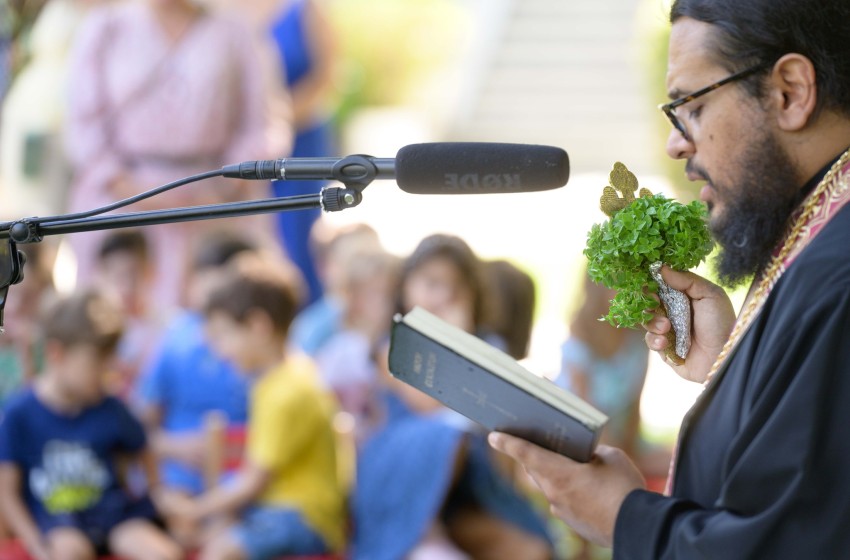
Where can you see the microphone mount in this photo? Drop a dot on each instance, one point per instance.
(355, 172)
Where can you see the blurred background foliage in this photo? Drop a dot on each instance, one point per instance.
(654, 30)
(393, 49)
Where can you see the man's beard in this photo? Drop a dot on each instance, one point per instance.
(756, 211)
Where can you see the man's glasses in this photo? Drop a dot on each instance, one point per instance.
(670, 108)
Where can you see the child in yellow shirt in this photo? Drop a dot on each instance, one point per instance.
(287, 492)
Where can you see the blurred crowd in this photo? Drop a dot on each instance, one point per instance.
(222, 386)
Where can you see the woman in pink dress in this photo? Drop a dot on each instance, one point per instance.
(159, 90)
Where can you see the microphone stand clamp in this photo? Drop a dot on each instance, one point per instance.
(356, 172)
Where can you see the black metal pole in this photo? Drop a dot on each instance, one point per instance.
(173, 215)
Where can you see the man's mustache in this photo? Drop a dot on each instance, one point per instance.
(700, 174)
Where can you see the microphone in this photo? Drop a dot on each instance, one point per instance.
(480, 168)
(432, 168)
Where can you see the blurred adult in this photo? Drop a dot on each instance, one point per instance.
(306, 42)
(761, 112)
(303, 41)
(159, 90)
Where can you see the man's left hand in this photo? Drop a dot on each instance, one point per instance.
(586, 496)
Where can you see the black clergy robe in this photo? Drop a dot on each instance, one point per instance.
(764, 459)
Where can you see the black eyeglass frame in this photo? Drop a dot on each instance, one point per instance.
(669, 108)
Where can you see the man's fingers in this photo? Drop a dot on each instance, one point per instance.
(515, 447)
(656, 342)
(696, 287)
(526, 453)
(659, 324)
(678, 280)
(536, 460)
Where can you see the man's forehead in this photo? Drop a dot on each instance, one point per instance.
(690, 64)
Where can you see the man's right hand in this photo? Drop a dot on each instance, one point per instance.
(713, 319)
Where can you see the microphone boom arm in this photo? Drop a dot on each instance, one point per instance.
(355, 172)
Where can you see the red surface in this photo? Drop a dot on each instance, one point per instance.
(13, 550)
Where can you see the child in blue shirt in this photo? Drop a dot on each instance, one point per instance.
(185, 380)
(60, 443)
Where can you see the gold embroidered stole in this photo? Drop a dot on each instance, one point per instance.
(816, 210)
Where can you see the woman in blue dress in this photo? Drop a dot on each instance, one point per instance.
(305, 41)
(427, 483)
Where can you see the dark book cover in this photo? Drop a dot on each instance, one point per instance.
(463, 384)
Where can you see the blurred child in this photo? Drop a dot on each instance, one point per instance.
(287, 489)
(185, 380)
(21, 355)
(512, 294)
(60, 443)
(427, 484)
(319, 321)
(606, 366)
(125, 272)
(346, 361)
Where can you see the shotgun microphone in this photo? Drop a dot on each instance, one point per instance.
(432, 168)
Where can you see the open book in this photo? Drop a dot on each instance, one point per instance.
(486, 385)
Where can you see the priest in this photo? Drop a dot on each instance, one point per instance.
(760, 108)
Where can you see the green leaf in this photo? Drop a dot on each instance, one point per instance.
(650, 229)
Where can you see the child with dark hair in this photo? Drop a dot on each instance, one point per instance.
(513, 296)
(168, 397)
(287, 491)
(21, 354)
(60, 444)
(124, 273)
(427, 484)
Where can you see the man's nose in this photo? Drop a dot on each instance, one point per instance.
(679, 147)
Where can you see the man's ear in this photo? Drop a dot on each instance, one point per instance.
(794, 91)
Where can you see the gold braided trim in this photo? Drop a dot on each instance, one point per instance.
(828, 197)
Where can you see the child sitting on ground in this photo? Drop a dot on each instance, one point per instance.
(287, 491)
(61, 442)
(125, 273)
(185, 380)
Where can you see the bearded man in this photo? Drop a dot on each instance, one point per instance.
(761, 113)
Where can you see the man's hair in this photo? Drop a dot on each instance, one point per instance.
(256, 283)
(124, 241)
(217, 248)
(84, 318)
(762, 31)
